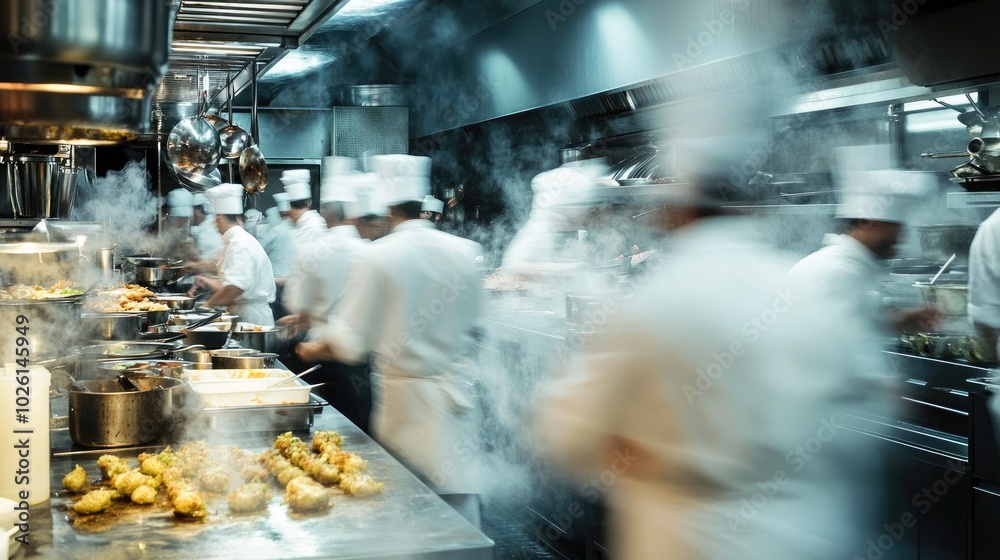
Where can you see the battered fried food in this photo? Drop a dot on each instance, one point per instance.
(153, 466)
(126, 483)
(143, 495)
(254, 473)
(306, 495)
(95, 501)
(250, 497)
(76, 480)
(361, 485)
(214, 479)
(286, 476)
(327, 442)
(186, 501)
(171, 475)
(111, 465)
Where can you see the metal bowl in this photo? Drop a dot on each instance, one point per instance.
(253, 170)
(210, 337)
(177, 302)
(948, 298)
(193, 145)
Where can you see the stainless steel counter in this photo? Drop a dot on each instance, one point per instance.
(407, 521)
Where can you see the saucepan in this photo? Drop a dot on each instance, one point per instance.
(102, 413)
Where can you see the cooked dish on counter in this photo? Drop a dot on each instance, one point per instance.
(61, 289)
(130, 298)
(196, 479)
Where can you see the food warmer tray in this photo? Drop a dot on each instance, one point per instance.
(263, 418)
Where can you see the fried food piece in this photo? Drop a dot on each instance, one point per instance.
(143, 495)
(254, 473)
(193, 458)
(274, 462)
(306, 495)
(327, 442)
(286, 476)
(153, 465)
(171, 475)
(126, 483)
(361, 484)
(76, 480)
(214, 479)
(350, 463)
(186, 501)
(95, 501)
(111, 465)
(249, 497)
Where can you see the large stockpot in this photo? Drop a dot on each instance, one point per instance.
(41, 186)
(102, 414)
(110, 326)
(157, 276)
(271, 339)
(48, 323)
(939, 242)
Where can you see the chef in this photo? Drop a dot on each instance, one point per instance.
(321, 277)
(245, 283)
(558, 207)
(984, 282)
(686, 416)
(372, 223)
(277, 243)
(417, 320)
(306, 221)
(206, 235)
(431, 209)
(177, 241)
(874, 206)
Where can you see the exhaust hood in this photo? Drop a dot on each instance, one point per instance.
(80, 71)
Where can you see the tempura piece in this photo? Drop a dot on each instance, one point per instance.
(153, 465)
(286, 476)
(76, 480)
(350, 463)
(171, 475)
(143, 495)
(254, 473)
(126, 483)
(306, 495)
(327, 442)
(186, 501)
(111, 465)
(95, 501)
(360, 485)
(250, 497)
(214, 479)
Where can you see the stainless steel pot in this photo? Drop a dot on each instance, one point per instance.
(102, 414)
(110, 326)
(246, 361)
(41, 186)
(210, 337)
(158, 276)
(183, 303)
(199, 359)
(161, 368)
(939, 242)
(48, 323)
(948, 298)
(273, 340)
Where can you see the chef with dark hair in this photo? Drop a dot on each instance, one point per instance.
(245, 283)
(412, 303)
(432, 209)
(206, 235)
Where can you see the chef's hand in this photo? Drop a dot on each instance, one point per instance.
(924, 319)
(313, 352)
(296, 323)
(204, 283)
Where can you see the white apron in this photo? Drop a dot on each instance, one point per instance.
(430, 423)
(256, 312)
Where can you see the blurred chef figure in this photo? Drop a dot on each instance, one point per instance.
(206, 235)
(874, 206)
(176, 239)
(558, 207)
(306, 221)
(984, 283)
(245, 283)
(372, 223)
(432, 209)
(412, 302)
(321, 276)
(252, 219)
(277, 243)
(692, 409)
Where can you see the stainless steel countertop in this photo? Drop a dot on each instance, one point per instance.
(407, 521)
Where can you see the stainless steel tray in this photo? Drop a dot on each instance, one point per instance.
(264, 418)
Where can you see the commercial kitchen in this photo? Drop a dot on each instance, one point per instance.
(564, 138)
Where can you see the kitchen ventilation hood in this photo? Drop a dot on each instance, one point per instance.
(80, 71)
(945, 46)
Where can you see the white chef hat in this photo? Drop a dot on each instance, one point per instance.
(227, 198)
(200, 200)
(404, 178)
(432, 204)
(337, 165)
(290, 176)
(335, 184)
(883, 195)
(298, 191)
(370, 200)
(180, 202)
(281, 199)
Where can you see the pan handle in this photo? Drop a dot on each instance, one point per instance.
(189, 347)
(936, 155)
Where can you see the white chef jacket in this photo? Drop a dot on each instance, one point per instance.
(246, 266)
(984, 273)
(277, 243)
(207, 239)
(845, 272)
(321, 275)
(686, 407)
(306, 229)
(412, 301)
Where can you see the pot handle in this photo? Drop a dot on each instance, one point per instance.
(189, 347)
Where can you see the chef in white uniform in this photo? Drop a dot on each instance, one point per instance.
(206, 235)
(685, 414)
(413, 303)
(432, 209)
(984, 282)
(372, 223)
(321, 276)
(306, 221)
(277, 240)
(245, 283)
(873, 209)
(176, 240)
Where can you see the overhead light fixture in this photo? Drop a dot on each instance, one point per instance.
(298, 62)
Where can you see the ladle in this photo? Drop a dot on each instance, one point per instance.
(296, 376)
(951, 259)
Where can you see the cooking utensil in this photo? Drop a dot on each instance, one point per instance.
(253, 170)
(210, 337)
(943, 268)
(161, 368)
(234, 140)
(245, 361)
(938, 155)
(110, 326)
(988, 151)
(296, 376)
(178, 302)
(198, 358)
(969, 169)
(947, 297)
(158, 276)
(270, 339)
(939, 242)
(101, 414)
(202, 322)
(41, 186)
(215, 120)
(193, 181)
(193, 145)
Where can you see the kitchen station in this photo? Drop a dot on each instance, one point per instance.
(446, 279)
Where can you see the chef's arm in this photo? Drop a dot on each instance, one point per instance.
(224, 297)
(989, 336)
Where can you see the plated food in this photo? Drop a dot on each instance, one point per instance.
(59, 290)
(132, 297)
